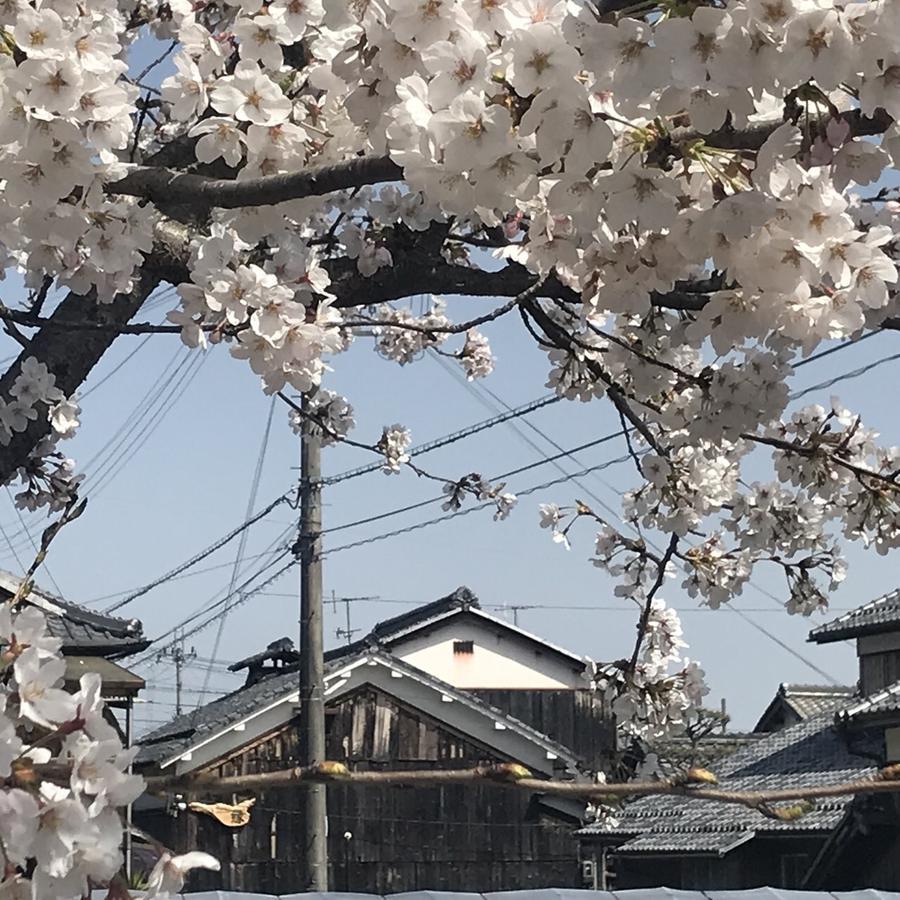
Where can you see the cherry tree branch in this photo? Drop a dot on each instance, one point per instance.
(69, 360)
(661, 567)
(171, 186)
(861, 472)
(512, 775)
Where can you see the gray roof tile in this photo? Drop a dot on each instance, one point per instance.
(874, 617)
(811, 752)
(717, 842)
(809, 700)
(875, 706)
(83, 632)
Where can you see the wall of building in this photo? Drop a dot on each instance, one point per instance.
(779, 861)
(577, 719)
(381, 839)
(498, 659)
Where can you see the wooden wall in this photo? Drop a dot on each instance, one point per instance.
(452, 837)
(579, 720)
(773, 860)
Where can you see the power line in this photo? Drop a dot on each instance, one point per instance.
(282, 551)
(115, 371)
(489, 504)
(242, 543)
(178, 360)
(203, 554)
(151, 424)
(452, 438)
(470, 387)
(512, 472)
(34, 546)
(846, 376)
(194, 573)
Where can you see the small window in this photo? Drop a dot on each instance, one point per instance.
(463, 646)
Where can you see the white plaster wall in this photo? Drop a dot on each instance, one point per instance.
(500, 660)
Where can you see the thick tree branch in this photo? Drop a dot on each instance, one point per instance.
(514, 776)
(69, 360)
(169, 186)
(172, 187)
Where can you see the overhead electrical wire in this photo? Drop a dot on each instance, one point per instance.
(115, 371)
(239, 595)
(471, 509)
(452, 438)
(511, 473)
(281, 546)
(186, 574)
(198, 557)
(242, 544)
(472, 389)
(99, 480)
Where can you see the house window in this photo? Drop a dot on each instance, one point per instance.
(794, 867)
(463, 646)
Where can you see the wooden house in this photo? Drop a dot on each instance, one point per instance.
(383, 710)
(808, 734)
(91, 642)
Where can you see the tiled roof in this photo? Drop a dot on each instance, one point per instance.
(805, 701)
(718, 842)
(809, 700)
(189, 729)
(882, 614)
(387, 632)
(83, 631)
(884, 703)
(811, 752)
(185, 730)
(676, 754)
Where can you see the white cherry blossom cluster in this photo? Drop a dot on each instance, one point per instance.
(476, 355)
(272, 312)
(661, 691)
(67, 110)
(332, 417)
(403, 337)
(64, 769)
(393, 444)
(48, 476)
(476, 486)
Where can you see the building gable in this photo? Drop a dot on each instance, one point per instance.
(471, 649)
(461, 713)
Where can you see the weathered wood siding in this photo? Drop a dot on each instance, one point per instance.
(579, 720)
(381, 840)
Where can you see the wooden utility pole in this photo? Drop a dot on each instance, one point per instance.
(312, 663)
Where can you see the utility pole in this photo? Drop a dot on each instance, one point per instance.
(180, 659)
(312, 663)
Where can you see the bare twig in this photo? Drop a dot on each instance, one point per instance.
(152, 65)
(74, 508)
(661, 567)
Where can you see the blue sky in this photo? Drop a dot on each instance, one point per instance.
(170, 440)
(187, 482)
